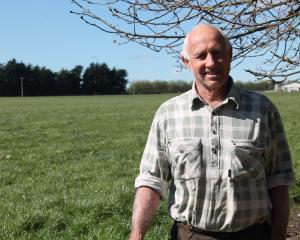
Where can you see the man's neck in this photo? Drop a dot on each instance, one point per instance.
(213, 97)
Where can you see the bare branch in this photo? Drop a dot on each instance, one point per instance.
(269, 29)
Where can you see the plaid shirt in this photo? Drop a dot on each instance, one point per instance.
(217, 164)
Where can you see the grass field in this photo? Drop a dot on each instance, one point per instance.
(68, 164)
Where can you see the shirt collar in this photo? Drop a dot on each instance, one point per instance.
(233, 95)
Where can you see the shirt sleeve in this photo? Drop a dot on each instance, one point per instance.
(154, 168)
(279, 162)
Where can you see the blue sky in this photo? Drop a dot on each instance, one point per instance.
(44, 33)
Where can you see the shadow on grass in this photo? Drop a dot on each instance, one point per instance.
(33, 223)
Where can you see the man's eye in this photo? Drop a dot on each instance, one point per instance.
(217, 54)
(201, 56)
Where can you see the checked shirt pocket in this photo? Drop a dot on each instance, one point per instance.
(185, 156)
(247, 160)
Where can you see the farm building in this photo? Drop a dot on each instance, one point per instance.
(289, 87)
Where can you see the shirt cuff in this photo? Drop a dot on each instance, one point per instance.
(157, 184)
(281, 180)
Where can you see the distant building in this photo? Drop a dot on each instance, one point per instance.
(291, 87)
(288, 87)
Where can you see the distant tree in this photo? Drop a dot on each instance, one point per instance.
(157, 87)
(256, 86)
(76, 73)
(2, 80)
(34, 81)
(265, 28)
(68, 82)
(40, 81)
(64, 82)
(119, 81)
(141, 87)
(103, 79)
(12, 74)
(160, 86)
(48, 82)
(91, 79)
(99, 79)
(30, 82)
(37, 85)
(179, 86)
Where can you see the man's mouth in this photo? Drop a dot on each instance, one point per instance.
(213, 73)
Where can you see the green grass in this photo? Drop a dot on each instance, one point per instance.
(288, 105)
(68, 164)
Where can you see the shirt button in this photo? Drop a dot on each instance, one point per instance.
(214, 131)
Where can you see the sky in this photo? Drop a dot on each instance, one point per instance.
(45, 33)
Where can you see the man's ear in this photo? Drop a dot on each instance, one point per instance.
(230, 53)
(185, 61)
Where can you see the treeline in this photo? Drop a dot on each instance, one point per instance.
(17, 78)
(157, 87)
(256, 86)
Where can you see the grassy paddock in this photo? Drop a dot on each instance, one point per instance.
(288, 105)
(68, 164)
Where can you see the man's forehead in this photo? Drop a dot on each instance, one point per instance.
(202, 36)
(203, 39)
(202, 45)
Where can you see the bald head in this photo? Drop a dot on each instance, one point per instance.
(207, 53)
(201, 31)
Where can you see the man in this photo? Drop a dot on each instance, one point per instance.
(218, 152)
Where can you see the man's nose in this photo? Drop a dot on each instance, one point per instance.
(210, 60)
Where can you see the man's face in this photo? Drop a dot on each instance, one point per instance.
(209, 58)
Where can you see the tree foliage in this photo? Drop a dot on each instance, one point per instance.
(98, 78)
(269, 29)
(40, 81)
(157, 87)
(256, 86)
